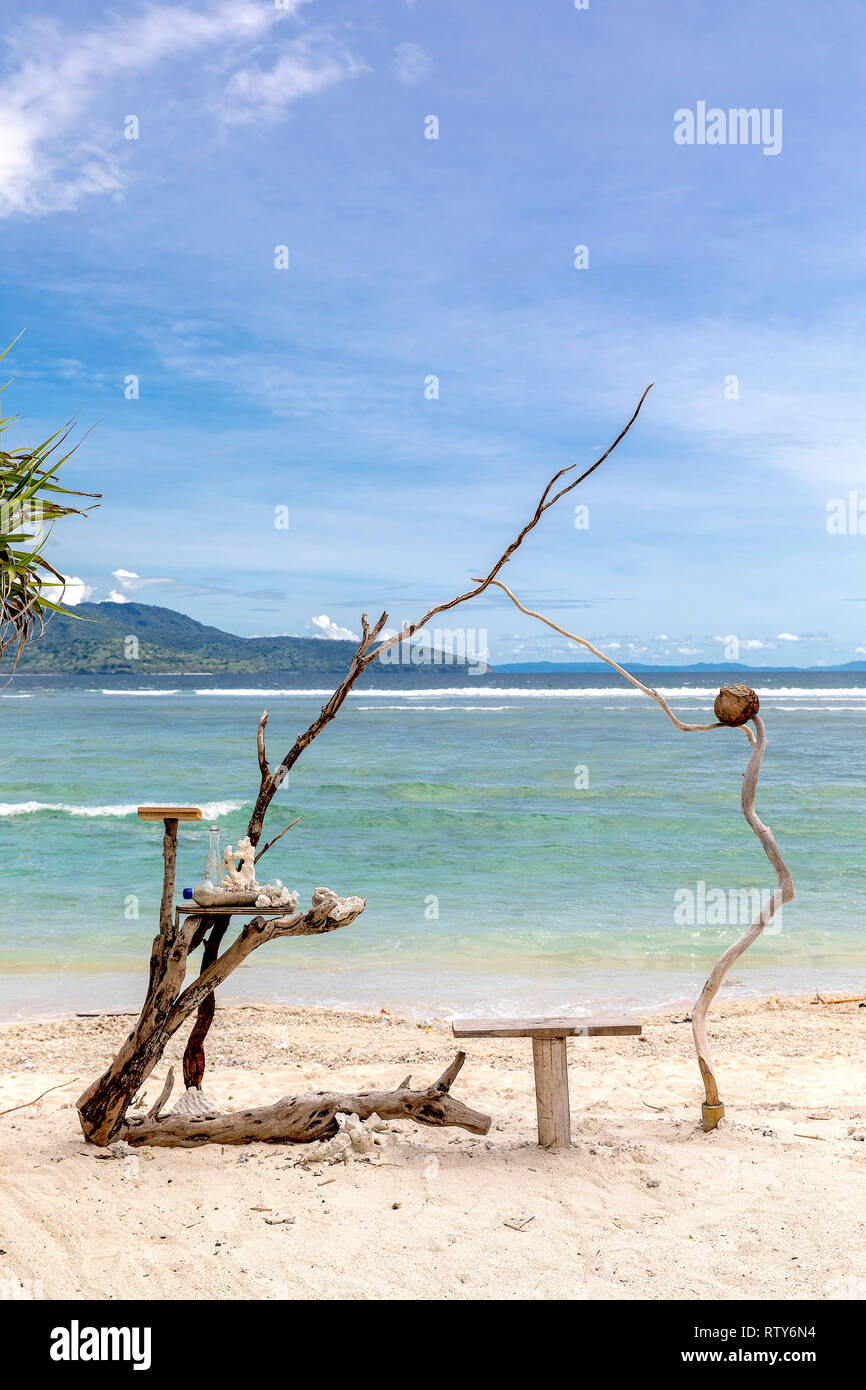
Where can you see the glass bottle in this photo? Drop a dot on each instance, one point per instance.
(213, 867)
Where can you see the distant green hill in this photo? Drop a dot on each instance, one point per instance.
(143, 637)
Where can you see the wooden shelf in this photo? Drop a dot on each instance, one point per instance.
(187, 908)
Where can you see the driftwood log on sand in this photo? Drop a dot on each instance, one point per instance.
(302, 1119)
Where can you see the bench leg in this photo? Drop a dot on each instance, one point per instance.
(551, 1092)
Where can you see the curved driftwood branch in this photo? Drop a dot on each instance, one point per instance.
(712, 1108)
(368, 651)
(301, 1119)
(633, 680)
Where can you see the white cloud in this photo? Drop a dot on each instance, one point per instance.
(129, 582)
(56, 146)
(788, 637)
(689, 651)
(304, 67)
(752, 644)
(333, 631)
(411, 63)
(115, 597)
(73, 592)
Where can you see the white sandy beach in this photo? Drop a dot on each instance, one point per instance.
(645, 1205)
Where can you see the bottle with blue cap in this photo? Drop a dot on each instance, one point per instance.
(213, 872)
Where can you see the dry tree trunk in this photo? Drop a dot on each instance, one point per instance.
(103, 1106)
(742, 705)
(301, 1119)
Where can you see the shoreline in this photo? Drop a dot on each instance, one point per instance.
(722, 1006)
(733, 992)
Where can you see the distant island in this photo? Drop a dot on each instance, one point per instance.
(138, 637)
(117, 638)
(566, 668)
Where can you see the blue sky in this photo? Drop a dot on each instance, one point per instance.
(304, 388)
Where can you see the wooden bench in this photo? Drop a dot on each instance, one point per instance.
(549, 1059)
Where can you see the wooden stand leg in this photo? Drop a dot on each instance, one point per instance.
(551, 1092)
(169, 857)
(193, 1057)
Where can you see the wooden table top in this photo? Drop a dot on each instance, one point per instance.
(544, 1027)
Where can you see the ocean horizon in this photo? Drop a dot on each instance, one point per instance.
(526, 843)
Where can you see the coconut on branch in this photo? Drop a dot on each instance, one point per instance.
(735, 704)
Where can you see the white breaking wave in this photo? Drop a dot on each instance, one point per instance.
(572, 693)
(210, 811)
(421, 709)
(824, 709)
(142, 692)
(257, 694)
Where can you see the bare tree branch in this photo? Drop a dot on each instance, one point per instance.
(266, 847)
(543, 506)
(260, 745)
(366, 650)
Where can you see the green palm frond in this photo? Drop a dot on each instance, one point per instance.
(30, 504)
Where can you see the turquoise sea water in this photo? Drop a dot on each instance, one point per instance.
(493, 883)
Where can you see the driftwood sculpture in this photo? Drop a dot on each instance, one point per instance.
(169, 1002)
(735, 707)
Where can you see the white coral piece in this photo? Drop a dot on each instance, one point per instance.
(355, 1139)
(192, 1102)
(360, 1137)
